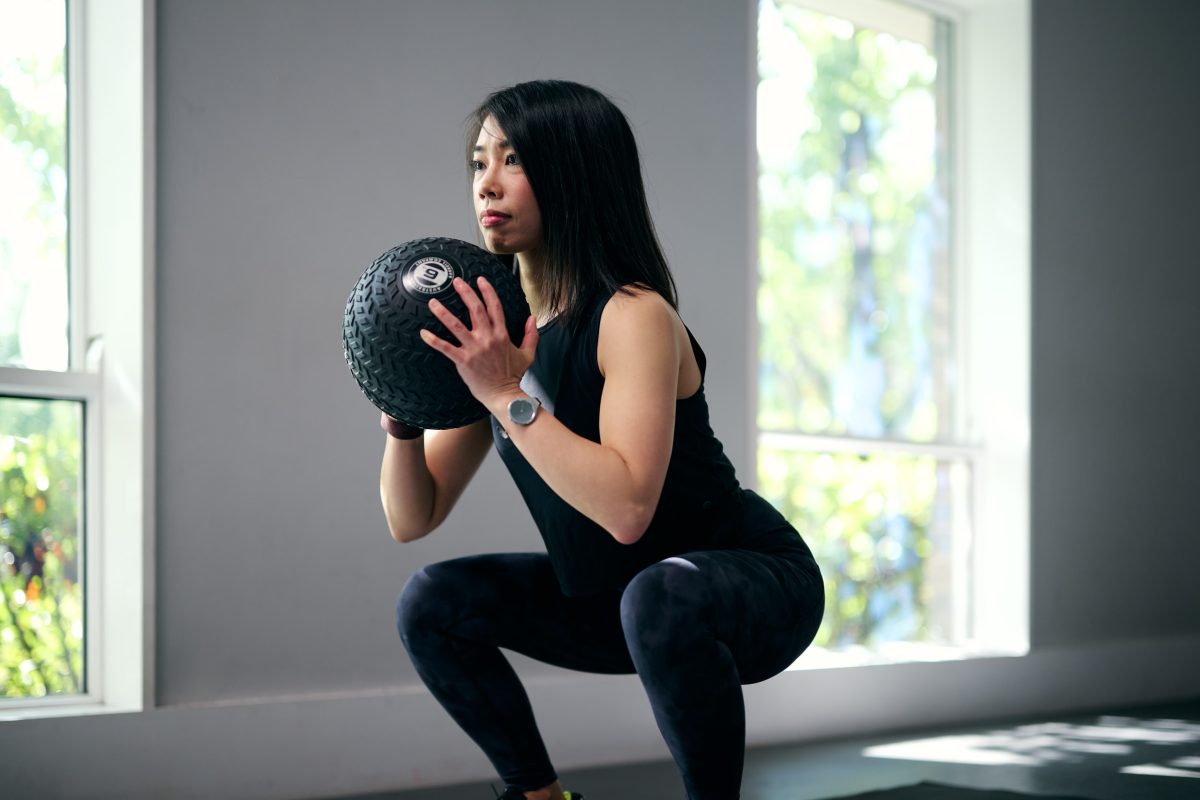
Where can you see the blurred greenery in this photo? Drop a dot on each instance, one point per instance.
(854, 290)
(854, 312)
(875, 516)
(41, 598)
(33, 171)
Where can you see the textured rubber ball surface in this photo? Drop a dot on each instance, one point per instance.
(387, 308)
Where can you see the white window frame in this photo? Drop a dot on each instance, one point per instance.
(990, 258)
(111, 246)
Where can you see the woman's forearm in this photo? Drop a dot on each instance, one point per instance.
(421, 479)
(406, 489)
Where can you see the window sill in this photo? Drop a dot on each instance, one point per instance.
(894, 653)
(57, 708)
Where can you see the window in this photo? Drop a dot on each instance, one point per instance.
(74, 322)
(41, 625)
(41, 607)
(880, 432)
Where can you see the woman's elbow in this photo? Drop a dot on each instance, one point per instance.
(402, 536)
(632, 526)
(406, 521)
(630, 536)
(403, 529)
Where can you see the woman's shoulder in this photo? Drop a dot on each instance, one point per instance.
(638, 299)
(634, 305)
(636, 319)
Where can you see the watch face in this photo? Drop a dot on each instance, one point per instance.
(521, 410)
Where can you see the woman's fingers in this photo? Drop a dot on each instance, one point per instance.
(530, 340)
(452, 323)
(495, 308)
(441, 345)
(479, 313)
(483, 316)
(485, 357)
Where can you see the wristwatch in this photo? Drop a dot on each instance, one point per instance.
(522, 410)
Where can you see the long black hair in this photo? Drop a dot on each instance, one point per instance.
(580, 157)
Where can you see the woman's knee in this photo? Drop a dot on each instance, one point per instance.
(415, 603)
(431, 594)
(660, 597)
(465, 594)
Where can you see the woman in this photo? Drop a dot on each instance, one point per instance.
(657, 561)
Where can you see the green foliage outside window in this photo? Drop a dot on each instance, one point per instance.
(854, 312)
(33, 176)
(871, 522)
(41, 608)
(41, 598)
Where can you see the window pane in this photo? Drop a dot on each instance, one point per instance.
(33, 174)
(890, 534)
(41, 596)
(854, 298)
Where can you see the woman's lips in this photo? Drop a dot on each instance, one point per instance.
(490, 218)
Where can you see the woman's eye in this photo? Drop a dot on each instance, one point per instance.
(475, 166)
(512, 159)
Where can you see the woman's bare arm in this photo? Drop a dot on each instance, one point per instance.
(618, 481)
(421, 479)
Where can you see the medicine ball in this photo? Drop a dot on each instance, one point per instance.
(398, 372)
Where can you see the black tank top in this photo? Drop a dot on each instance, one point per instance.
(700, 481)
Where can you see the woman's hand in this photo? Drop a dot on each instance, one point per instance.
(486, 359)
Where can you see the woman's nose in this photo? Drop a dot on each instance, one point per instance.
(488, 185)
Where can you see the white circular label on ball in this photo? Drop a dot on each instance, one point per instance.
(430, 275)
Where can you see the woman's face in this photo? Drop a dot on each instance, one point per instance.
(504, 203)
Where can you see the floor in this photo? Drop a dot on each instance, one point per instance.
(1125, 754)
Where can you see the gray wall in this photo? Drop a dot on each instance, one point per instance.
(297, 140)
(1116, 321)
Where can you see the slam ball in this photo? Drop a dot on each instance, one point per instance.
(389, 305)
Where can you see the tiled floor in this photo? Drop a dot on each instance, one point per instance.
(1127, 754)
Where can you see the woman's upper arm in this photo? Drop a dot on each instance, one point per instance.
(453, 457)
(639, 356)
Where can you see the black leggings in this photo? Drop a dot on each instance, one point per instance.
(694, 627)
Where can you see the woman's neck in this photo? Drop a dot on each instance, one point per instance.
(529, 268)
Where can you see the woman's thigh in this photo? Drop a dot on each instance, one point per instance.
(513, 600)
(764, 607)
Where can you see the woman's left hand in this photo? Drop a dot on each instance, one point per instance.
(486, 359)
